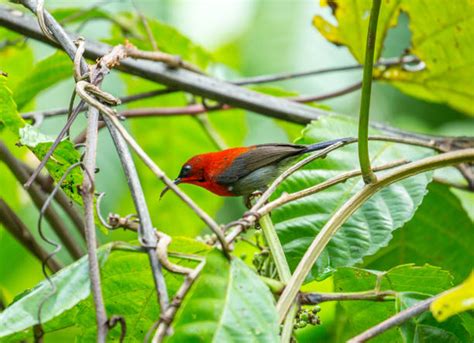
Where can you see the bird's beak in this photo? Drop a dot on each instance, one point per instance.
(176, 182)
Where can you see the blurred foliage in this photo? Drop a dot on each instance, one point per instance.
(272, 37)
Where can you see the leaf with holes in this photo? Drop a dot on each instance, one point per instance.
(227, 303)
(64, 156)
(369, 228)
(442, 37)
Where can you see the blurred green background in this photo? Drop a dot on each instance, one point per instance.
(245, 38)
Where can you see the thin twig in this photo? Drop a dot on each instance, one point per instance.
(363, 145)
(123, 100)
(214, 136)
(350, 206)
(395, 320)
(329, 95)
(162, 251)
(318, 298)
(388, 62)
(13, 224)
(146, 26)
(168, 316)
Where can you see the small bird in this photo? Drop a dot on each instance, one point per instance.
(244, 170)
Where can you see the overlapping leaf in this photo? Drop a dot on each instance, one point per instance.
(411, 284)
(128, 289)
(369, 228)
(442, 37)
(440, 222)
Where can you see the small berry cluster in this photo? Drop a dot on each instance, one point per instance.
(307, 316)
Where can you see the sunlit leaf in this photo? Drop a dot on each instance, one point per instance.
(370, 227)
(442, 37)
(223, 295)
(456, 300)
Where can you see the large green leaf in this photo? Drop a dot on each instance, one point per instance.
(442, 37)
(128, 290)
(440, 222)
(353, 21)
(369, 228)
(46, 73)
(227, 303)
(72, 285)
(411, 283)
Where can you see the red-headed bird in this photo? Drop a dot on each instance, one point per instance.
(244, 170)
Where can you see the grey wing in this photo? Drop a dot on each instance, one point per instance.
(263, 155)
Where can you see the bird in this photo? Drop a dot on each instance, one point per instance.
(242, 171)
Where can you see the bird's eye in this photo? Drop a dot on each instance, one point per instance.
(185, 170)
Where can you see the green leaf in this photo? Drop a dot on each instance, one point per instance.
(227, 303)
(9, 117)
(46, 73)
(412, 284)
(370, 227)
(72, 283)
(440, 222)
(64, 156)
(442, 37)
(128, 290)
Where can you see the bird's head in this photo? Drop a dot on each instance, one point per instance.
(191, 172)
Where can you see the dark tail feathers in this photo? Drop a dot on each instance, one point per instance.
(324, 145)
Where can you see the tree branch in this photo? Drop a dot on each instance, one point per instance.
(177, 78)
(318, 298)
(20, 232)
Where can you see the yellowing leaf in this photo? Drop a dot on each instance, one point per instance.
(454, 301)
(353, 19)
(442, 37)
